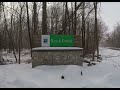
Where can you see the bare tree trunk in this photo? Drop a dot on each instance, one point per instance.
(0, 35)
(52, 23)
(72, 17)
(35, 17)
(56, 24)
(67, 11)
(87, 40)
(0, 42)
(65, 20)
(44, 19)
(29, 28)
(95, 46)
(20, 32)
(83, 28)
(97, 40)
(12, 40)
(19, 39)
(75, 19)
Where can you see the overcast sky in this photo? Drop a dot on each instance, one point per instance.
(110, 13)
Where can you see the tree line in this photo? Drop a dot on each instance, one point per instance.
(112, 38)
(20, 21)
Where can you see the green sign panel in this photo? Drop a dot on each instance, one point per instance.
(61, 40)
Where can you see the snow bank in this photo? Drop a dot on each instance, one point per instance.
(103, 75)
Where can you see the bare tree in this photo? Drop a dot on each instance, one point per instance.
(35, 17)
(75, 18)
(0, 34)
(20, 24)
(20, 30)
(72, 16)
(29, 34)
(95, 45)
(96, 27)
(44, 19)
(87, 38)
(83, 28)
(10, 34)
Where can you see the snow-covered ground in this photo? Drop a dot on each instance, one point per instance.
(10, 59)
(105, 74)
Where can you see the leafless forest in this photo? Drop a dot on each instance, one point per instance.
(20, 21)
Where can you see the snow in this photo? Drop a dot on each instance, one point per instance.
(104, 74)
(10, 59)
(57, 48)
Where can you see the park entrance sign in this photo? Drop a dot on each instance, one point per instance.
(45, 40)
(61, 40)
(57, 40)
(58, 50)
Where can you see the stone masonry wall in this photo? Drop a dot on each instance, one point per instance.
(55, 57)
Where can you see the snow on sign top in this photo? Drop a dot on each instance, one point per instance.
(57, 48)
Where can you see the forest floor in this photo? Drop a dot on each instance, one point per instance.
(105, 74)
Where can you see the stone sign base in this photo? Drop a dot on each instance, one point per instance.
(56, 56)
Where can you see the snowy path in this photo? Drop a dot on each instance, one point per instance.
(104, 74)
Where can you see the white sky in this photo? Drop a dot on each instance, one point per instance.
(110, 13)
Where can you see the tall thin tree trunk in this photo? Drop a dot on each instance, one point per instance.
(35, 17)
(29, 28)
(12, 40)
(75, 23)
(97, 40)
(87, 40)
(67, 11)
(83, 28)
(19, 40)
(44, 19)
(72, 18)
(20, 32)
(52, 31)
(56, 20)
(0, 36)
(65, 20)
(95, 32)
